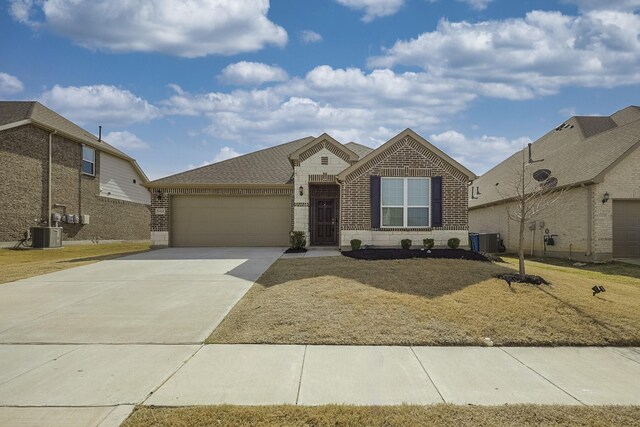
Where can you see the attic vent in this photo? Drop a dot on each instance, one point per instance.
(564, 126)
(324, 160)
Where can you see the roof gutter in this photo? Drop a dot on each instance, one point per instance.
(153, 185)
(511, 199)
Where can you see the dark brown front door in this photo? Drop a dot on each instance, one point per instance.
(324, 226)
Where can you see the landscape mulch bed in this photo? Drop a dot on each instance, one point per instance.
(378, 254)
(295, 251)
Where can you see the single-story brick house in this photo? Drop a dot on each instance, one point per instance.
(334, 192)
(597, 161)
(49, 165)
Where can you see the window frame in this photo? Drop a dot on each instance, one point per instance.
(405, 207)
(93, 163)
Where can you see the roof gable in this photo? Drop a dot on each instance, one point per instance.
(407, 133)
(323, 141)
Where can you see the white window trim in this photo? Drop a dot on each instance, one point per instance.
(405, 207)
(88, 161)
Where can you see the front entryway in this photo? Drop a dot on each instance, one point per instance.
(324, 215)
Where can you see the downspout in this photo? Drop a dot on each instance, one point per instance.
(49, 177)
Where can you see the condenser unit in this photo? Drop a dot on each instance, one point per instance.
(46, 237)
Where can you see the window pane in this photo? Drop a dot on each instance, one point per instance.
(392, 192)
(87, 167)
(418, 192)
(392, 217)
(88, 153)
(418, 217)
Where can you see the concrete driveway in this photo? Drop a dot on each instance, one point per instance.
(170, 296)
(82, 346)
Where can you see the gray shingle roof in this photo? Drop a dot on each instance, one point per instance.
(359, 149)
(16, 111)
(264, 167)
(268, 166)
(579, 153)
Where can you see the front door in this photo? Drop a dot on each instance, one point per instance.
(324, 226)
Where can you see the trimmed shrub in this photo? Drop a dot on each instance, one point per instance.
(453, 243)
(428, 243)
(297, 239)
(356, 244)
(405, 243)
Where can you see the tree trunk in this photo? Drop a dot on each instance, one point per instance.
(521, 249)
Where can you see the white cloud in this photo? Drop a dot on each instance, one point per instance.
(252, 73)
(191, 28)
(343, 102)
(525, 58)
(477, 4)
(125, 140)
(308, 37)
(10, 85)
(478, 154)
(624, 5)
(373, 8)
(99, 104)
(225, 153)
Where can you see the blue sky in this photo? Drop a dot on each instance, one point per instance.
(182, 83)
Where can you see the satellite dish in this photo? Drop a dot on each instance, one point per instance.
(550, 183)
(541, 175)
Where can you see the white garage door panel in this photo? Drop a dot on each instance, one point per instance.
(230, 221)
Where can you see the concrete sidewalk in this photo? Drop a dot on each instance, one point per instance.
(98, 385)
(363, 375)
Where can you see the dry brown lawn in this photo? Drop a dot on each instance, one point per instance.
(340, 300)
(438, 415)
(23, 263)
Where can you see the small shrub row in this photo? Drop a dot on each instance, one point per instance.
(453, 243)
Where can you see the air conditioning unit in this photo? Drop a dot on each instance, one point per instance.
(46, 237)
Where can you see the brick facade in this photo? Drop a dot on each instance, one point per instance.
(23, 190)
(405, 158)
(582, 222)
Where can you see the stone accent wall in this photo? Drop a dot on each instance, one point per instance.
(309, 171)
(23, 193)
(405, 158)
(161, 205)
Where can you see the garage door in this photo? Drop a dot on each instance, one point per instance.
(230, 221)
(626, 228)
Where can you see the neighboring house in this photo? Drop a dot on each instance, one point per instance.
(334, 192)
(43, 153)
(598, 217)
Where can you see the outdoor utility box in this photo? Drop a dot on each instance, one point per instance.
(46, 237)
(485, 242)
(84, 219)
(490, 243)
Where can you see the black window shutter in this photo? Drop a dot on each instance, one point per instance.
(375, 201)
(436, 201)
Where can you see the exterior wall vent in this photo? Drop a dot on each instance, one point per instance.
(324, 160)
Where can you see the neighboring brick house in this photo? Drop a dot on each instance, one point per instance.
(598, 217)
(334, 192)
(89, 178)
